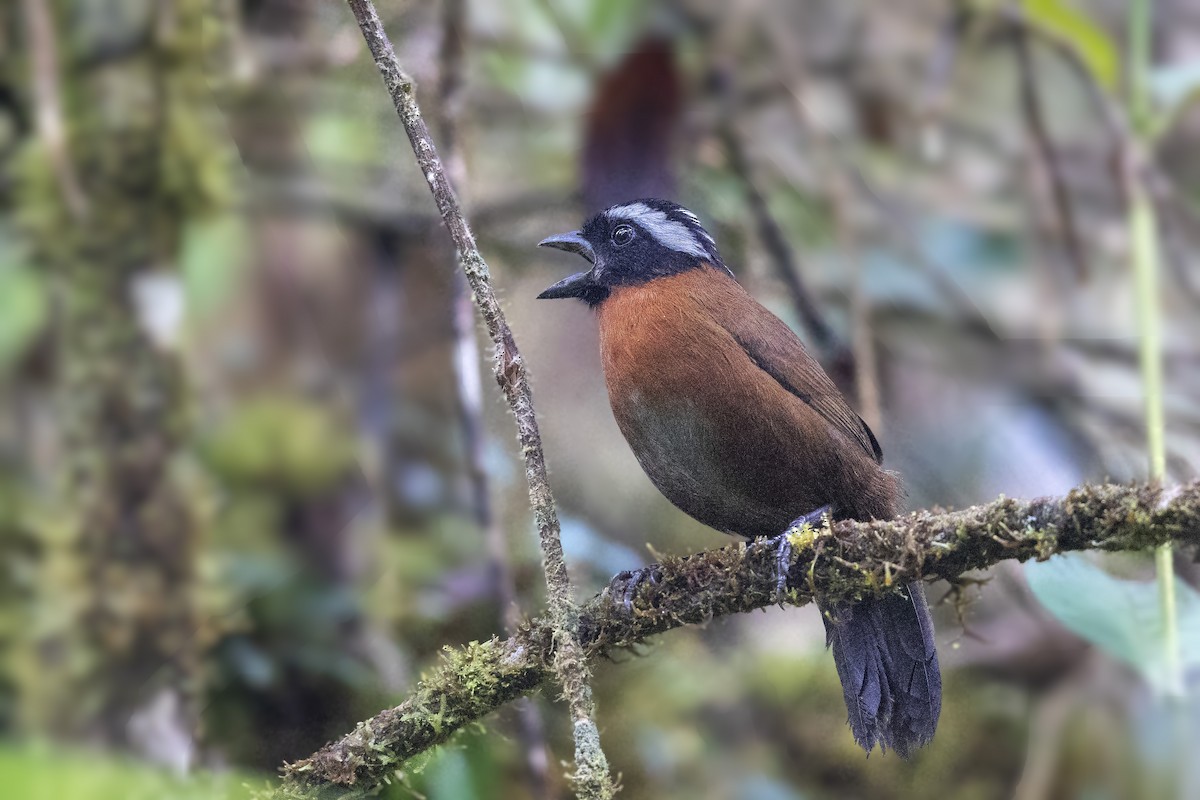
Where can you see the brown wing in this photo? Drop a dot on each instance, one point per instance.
(778, 351)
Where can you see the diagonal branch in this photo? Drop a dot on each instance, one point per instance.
(591, 778)
(773, 238)
(847, 562)
(469, 397)
(1031, 107)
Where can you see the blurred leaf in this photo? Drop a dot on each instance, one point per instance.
(256, 668)
(540, 85)
(448, 775)
(612, 23)
(1062, 19)
(22, 310)
(248, 572)
(1174, 89)
(504, 69)
(39, 772)
(323, 660)
(805, 217)
(1175, 85)
(1121, 617)
(342, 139)
(282, 444)
(212, 257)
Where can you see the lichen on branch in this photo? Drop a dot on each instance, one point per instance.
(591, 778)
(845, 562)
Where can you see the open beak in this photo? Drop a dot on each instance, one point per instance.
(572, 242)
(576, 285)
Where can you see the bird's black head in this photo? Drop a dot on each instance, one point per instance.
(633, 243)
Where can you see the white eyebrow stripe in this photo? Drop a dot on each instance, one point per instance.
(666, 231)
(703, 232)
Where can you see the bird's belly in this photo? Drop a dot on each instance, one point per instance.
(675, 445)
(692, 459)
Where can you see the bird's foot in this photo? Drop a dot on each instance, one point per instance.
(783, 562)
(784, 550)
(627, 582)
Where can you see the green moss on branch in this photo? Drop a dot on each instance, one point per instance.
(847, 562)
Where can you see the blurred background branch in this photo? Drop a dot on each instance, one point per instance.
(243, 464)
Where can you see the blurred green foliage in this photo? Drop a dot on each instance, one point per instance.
(212, 259)
(280, 444)
(322, 594)
(23, 306)
(1066, 19)
(41, 772)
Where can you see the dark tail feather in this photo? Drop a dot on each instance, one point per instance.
(883, 649)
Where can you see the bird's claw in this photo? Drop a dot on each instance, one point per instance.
(784, 550)
(783, 563)
(626, 585)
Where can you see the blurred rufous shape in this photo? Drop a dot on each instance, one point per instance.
(631, 128)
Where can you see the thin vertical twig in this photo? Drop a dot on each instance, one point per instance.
(1144, 245)
(1143, 232)
(1144, 251)
(591, 777)
(469, 394)
(1031, 107)
(1130, 133)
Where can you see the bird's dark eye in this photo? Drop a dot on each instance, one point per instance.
(623, 235)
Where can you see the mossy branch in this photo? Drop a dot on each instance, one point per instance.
(591, 778)
(845, 562)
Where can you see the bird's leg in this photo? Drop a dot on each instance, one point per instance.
(783, 551)
(628, 582)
